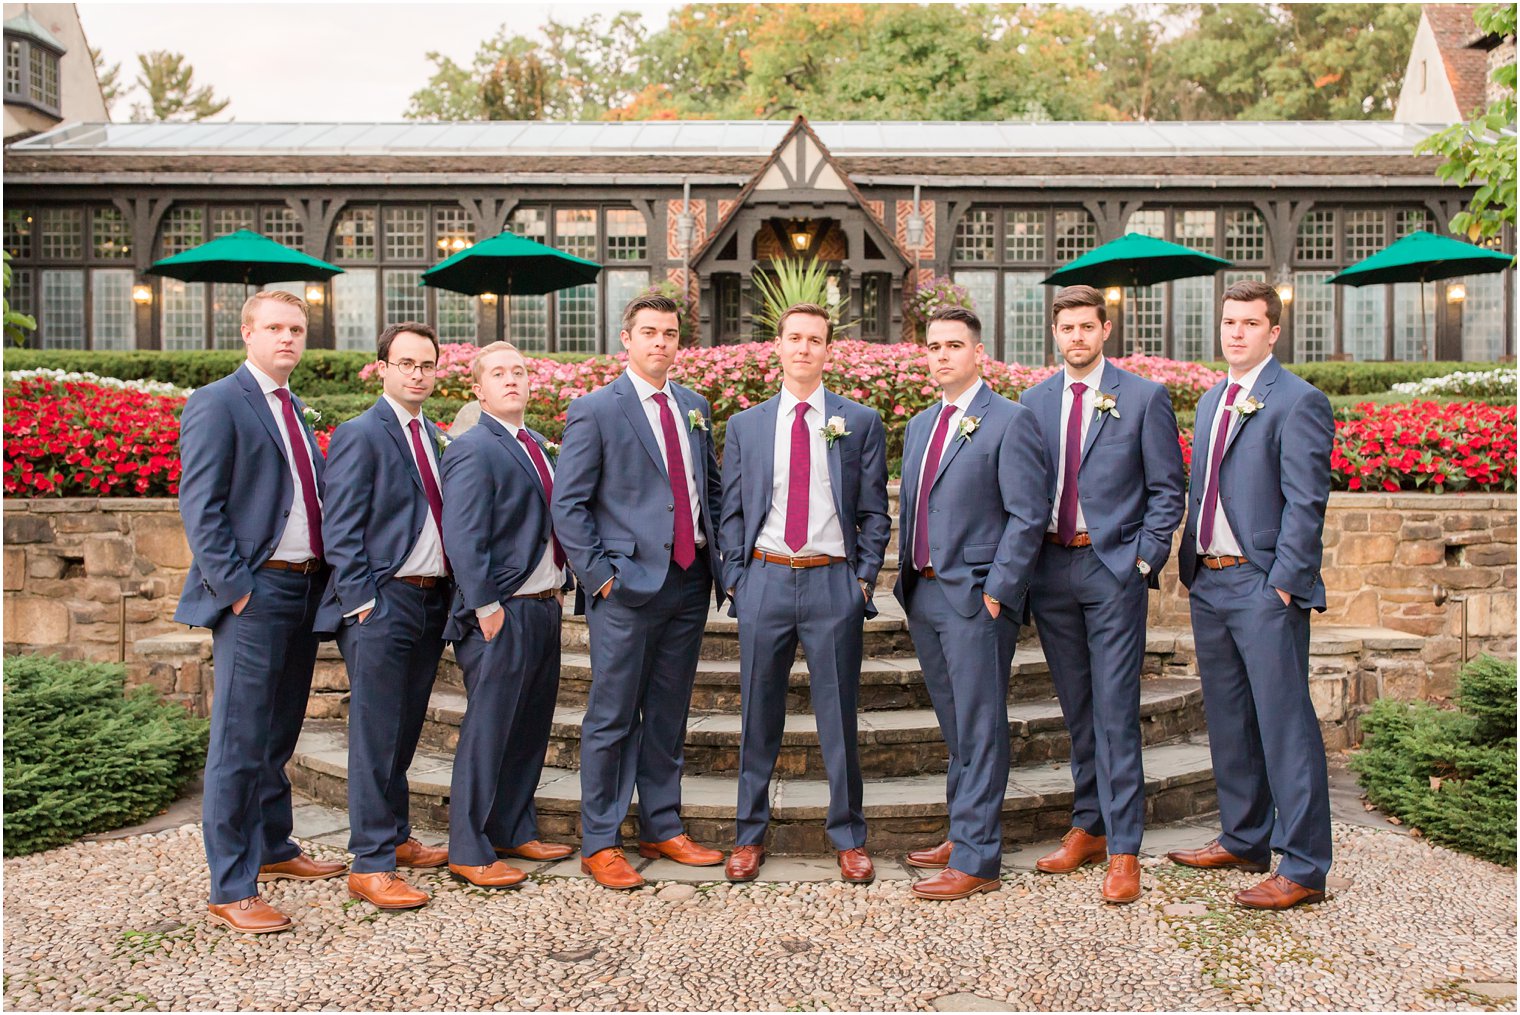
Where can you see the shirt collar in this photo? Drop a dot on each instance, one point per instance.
(1094, 380)
(965, 398)
(1249, 380)
(402, 415)
(647, 391)
(267, 384)
(510, 428)
(789, 401)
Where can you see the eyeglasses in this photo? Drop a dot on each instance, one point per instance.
(410, 367)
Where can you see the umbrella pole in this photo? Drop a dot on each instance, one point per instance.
(1430, 353)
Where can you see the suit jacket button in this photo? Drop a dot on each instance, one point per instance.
(670, 507)
(667, 546)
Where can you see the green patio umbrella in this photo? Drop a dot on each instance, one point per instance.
(246, 257)
(1423, 257)
(510, 265)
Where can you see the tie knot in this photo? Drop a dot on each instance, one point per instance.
(283, 394)
(801, 409)
(659, 396)
(1229, 396)
(522, 435)
(414, 425)
(1077, 388)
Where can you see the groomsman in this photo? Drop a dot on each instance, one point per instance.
(387, 600)
(505, 624)
(804, 528)
(1115, 499)
(636, 512)
(971, 516)
(251, 500)
(1250, 557)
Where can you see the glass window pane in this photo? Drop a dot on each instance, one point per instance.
(575, 232)
(49, 62)
(18, 233)
(182, 228)
(1366, 312)
(1144, 321)
(456, 317)
(1414, 332)
(354, 238)
(405, 300)
(182, 312)
(61, 323)
(280, 224)
(111, 309)
(528, 322)
(1024, 236)
(1076, 234)
(353, 296)
(35, 78)
(1366, 234)
(1316, 239)
(1410, 220)
(20, 295)
(1024, 321)
(227, 299)
(13, 67)
(1148, 222)
(622, 286)
(109, 239)
(1313, 316)
(63, 234)
(982, 285)
(1195, 229)
(1245, 236)
(627, 235)
(976, 236)
(575, 319)
(225, 221)
(454, 230)
(1483, 316)
(1193, 318)
(529, 222)
(405, 234)
(726, 298)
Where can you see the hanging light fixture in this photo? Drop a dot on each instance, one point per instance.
(799, 234)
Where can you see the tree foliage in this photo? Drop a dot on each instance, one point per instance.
(18, 326)
(168, 81)
(111, 87)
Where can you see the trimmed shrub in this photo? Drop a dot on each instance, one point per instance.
(1449, 774)
(82, 757)
(321, 372)
(1371, 378)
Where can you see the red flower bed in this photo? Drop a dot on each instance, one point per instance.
(1426, 446)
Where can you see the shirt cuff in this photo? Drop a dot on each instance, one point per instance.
(367, 606)
(482, 612)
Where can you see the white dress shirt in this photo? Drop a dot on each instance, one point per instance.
(647, 392)
(1094, 382)
(294, 545)
(958, 409)
(545, 576)
(824, 533)
(1225, 544)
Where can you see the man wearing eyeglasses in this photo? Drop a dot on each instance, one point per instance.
(388, 601)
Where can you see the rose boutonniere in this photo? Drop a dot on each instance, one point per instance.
(312, 416)
(1250, 407)
(967, 427)
(444, 440)
(551, 449)
(695, 421)
(1106, 404)
(833, 430)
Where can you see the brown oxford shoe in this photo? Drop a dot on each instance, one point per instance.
(1122, 882)
(1213, 856)
(387, 890)
(682, 850)
(855, 866)
(492, 875)
(412, 853)
(744, 863)
(301, 868)
(535, 850)
(611, 869)
(1277, 892)
(1077, 848)
(934, 856)
(249, 916)
(952, 884)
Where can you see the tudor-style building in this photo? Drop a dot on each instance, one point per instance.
(997, 206)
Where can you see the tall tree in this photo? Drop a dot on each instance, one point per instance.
(109, 78)
(168, 81)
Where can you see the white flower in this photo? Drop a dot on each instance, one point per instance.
(74, 376)
(312, 416)
(551, 449)
(695, 421)
(833, 430)
(967, 427)
(444, 440)
(1106, 402)
(1247, 408)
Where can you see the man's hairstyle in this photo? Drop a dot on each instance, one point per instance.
(1250, 290)
(1074, 296)
(383, 343)
(279, 296)
(648, 301)
(960, 315)
(810, 310)
(478, 369)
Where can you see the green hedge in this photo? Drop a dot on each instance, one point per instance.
(1450, 774)
(1373, 378)
(82, 757)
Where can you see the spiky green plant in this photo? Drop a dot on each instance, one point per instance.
(796, 281)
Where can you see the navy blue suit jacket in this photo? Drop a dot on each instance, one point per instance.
(1130, 480)
(372, 516)
(1274, 482)
(987, 504)
(496, 522)
(235, 491)
(612, 505)
(857, 472)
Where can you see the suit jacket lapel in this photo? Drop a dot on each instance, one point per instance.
(515, 450)
(767, 423)
(693, 437)
(1259, 390)
(1112, 388)
(260, 403)
(392, 426)
(1203, 437)
(633, 408)
(1047, 406)
(833, 405)
(914, 448)
(953, 443)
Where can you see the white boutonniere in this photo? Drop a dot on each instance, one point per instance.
(695, 421)
(1106, 404)
(1250, 407)
(551, 449)
(444, 440)
(967, 427)
(833, 430)
(312, 416)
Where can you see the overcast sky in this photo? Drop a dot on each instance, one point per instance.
(304, 62)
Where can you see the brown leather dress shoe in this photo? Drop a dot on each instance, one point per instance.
(1122, 882)
(301, 868)
(412, 853)
(1277, 892)
(682, 850)
(934, 856)
(855, 866)
(1213, 856)
(535, 850)
(952, 884)
(744, 863)
(387, 890)
(249, 916)
(493, 875)
(1077, 848)
(611, 869)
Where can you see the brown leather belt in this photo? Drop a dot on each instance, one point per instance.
(1078, 541)
(311, 566)
(422, 581)
(796, 563)
(1219, 563)
(928, 574)
(545, 594)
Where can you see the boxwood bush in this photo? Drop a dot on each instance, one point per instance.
(82, 757)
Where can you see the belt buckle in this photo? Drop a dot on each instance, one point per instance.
(791, 562)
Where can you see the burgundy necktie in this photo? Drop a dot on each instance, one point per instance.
(683, 546)
(798, 481)
(429, 484)
(537, 454)
(1066, 516)
(1211, 481)
(300, 452)
(931, 466)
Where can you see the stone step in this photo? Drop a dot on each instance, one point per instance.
(893, 743)
(902, 813)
